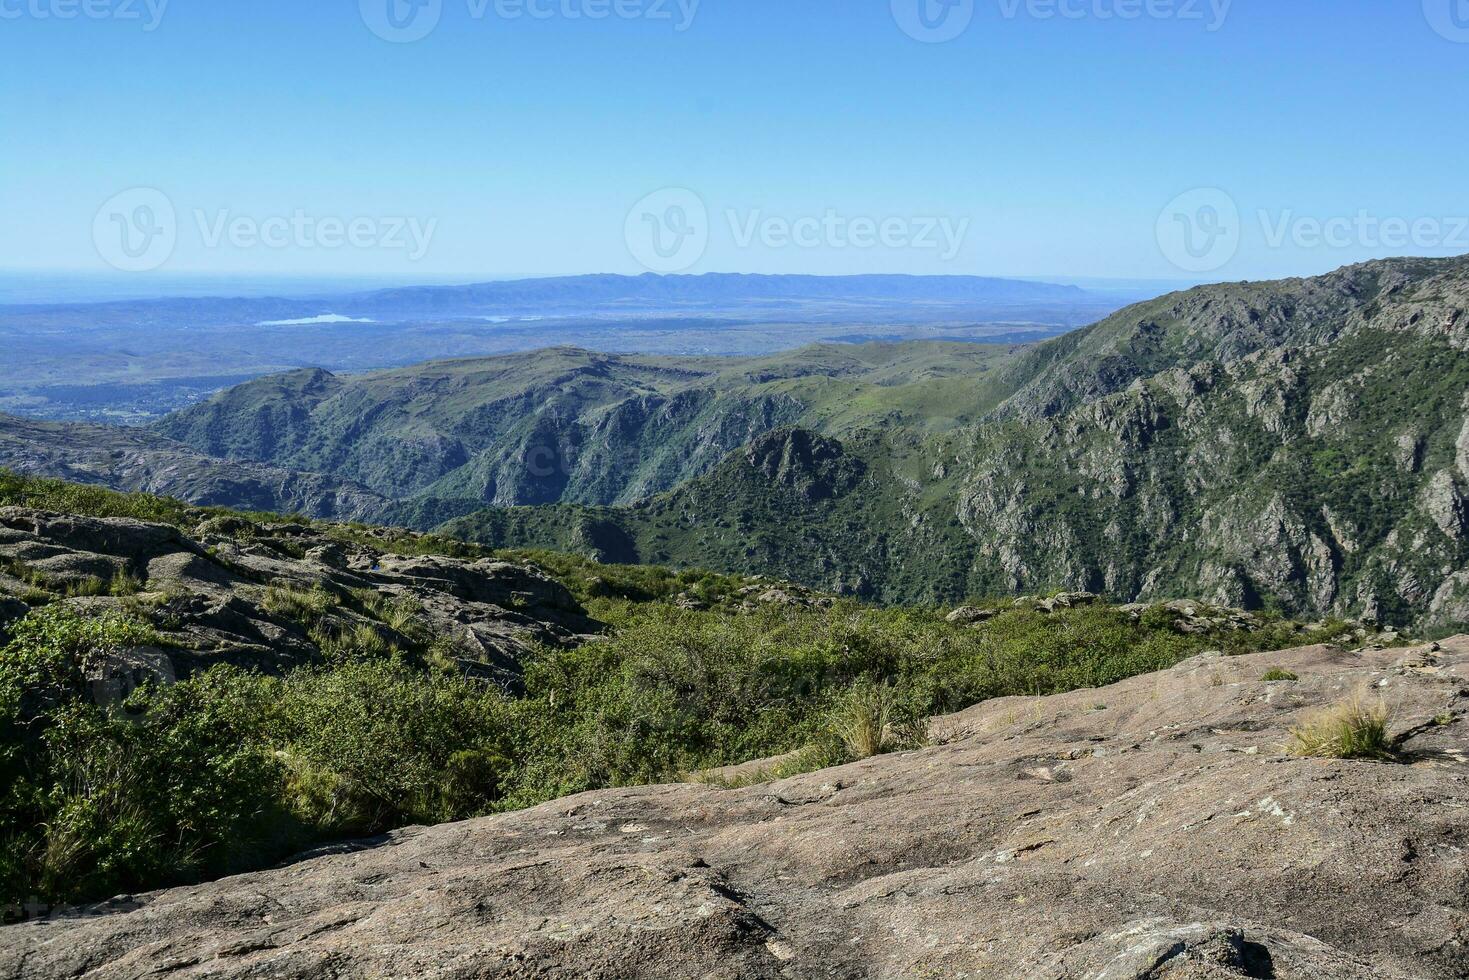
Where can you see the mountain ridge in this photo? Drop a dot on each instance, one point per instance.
(1302, 444)
(1138, 471)
(566, 424)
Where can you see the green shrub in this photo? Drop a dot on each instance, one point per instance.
(226, 771)
(99, 801)
(369, 745)
(1278, 674)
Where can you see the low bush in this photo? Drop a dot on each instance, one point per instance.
(165, 788)
(373, 745)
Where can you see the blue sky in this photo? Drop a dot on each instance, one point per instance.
(816, 135)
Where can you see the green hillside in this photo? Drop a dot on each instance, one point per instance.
(1302, 445)
(568, 425)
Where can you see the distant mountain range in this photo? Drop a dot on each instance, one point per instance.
(1302, 445)
(136, 360)
(910, 298)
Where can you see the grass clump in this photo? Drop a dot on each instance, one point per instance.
(1278, 674)
(1354, 729)
(124, 584)
(871, 719)
(302, 606)
(360, 642)
(403, 615)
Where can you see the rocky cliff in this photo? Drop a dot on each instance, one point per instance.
(1153, 829)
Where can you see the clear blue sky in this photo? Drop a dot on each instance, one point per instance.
(1058, 140)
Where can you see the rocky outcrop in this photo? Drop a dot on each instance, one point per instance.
(229, 590)
(1153, 829)
(800, 461)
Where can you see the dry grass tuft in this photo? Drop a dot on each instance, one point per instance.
(1354, 729)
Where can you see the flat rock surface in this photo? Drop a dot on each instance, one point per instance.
(1153, 829)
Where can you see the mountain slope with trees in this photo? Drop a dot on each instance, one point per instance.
(1302, 444)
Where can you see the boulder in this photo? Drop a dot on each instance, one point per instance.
(969, 615)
